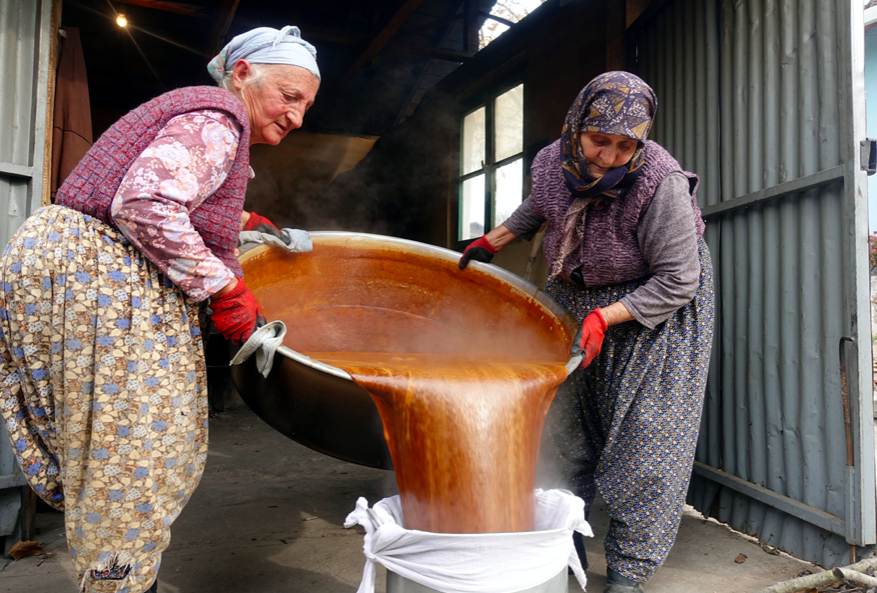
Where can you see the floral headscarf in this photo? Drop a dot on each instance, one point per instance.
(613, 103)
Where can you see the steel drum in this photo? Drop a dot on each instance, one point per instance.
(354, 276)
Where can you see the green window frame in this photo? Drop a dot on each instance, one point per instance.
(491, 180)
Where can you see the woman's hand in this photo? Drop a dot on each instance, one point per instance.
(235, 312)
(616, 313)
(259, 223)
(480, 250)
(483, 248)
(589, 338)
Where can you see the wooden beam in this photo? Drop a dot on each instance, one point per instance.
(633, 9)
(428, 51)
(383, 36)
(347, 38)
(221, 24)
(54, 53)
(498, 19)
(470, 26)
(450, 17)
(176, 7)
(331, 35)
(434, 25)
(615, 27)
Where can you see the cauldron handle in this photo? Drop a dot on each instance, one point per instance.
(573, 364)
(264, 343)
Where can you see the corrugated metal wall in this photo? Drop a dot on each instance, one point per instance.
(753, 96)
(23, 86)
(24, 57)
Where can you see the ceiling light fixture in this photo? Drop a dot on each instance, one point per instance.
(122, 20)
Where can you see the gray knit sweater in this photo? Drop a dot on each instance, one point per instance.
(663, 230)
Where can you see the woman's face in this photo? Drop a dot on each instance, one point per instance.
(277, 104)
(605, 151)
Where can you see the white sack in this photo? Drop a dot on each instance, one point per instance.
(474, 562)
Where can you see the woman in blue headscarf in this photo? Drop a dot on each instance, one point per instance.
(103, 386)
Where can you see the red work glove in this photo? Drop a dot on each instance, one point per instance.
(235, 313)
(259, 223)
(589, 338)
(480, 250)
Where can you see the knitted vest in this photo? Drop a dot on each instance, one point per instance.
(91, 186)
(610, 252)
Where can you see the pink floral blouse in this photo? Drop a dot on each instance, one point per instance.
(188, 160)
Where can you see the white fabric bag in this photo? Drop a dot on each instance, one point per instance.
(474, 562)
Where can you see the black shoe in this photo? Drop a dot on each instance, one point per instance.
(579, 542)
(616, 583)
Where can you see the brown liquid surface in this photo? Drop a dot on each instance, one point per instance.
(462, 370)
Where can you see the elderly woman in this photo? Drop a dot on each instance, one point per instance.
(624, 248)
(102, 375)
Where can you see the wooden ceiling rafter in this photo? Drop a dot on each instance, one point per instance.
(348, 38)
(175, 7)
(393, 24)
(436, 24)
(470, 26)
(221, 24)
(496, 18)
(430, 51)
(455, 13)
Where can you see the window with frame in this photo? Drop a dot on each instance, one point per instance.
(491, 183)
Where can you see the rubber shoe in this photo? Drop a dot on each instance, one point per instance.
(578, 541)
(616, 583)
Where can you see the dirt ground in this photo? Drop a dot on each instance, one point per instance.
(268, 517)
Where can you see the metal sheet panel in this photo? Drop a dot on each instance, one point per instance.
(24, 57)
(756, 97)
(24, 69)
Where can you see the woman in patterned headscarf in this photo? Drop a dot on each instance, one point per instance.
(625, 252)
(103, 388)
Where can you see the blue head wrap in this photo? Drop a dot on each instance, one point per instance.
(266, 45)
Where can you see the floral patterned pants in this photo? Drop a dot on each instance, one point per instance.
(627, 424)
(102, 391)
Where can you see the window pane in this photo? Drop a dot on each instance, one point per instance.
(473, 140)
(510, 123)
(509, 190)
(472, 208)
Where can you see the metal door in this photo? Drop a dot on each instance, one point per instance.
(24, 74)
(764, 99)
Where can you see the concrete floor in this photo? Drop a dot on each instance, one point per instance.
(268, 517)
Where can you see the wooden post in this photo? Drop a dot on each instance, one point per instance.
(615, 27)
(28, 513)
(54, 51)
(470, 26)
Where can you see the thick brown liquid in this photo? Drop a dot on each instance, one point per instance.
(464, 435)
(462, 371)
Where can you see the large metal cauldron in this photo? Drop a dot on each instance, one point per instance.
(355, 274)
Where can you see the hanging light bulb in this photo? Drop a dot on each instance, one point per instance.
(122, 20)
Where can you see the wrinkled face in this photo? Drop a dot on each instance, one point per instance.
(277, 103)
(605, 151)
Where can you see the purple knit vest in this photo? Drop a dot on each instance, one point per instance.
(91, 186)
(610, 253)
